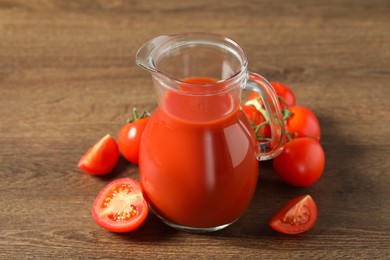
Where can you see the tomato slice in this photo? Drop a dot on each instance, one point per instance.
(120, 207)
(100, 158)
(296, 216)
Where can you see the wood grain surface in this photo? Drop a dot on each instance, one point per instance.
(68, 77)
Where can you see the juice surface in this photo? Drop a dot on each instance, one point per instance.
(200, 172)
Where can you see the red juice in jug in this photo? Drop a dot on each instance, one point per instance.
(198, 163)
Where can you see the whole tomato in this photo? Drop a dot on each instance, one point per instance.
(301, 162)
(129, 138)
(285, 94)
(302, 122)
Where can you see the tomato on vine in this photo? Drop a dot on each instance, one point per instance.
(258, 122)
(262, 127)
(301, 122)
(285, 94)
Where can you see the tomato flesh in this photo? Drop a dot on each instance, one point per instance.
(296, 216)
(101, 158)
(120, 206)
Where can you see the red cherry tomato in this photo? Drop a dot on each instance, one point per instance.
(303, 123)
(296, 216)
(301, 162)
(120, 206)
(256, 119)
(129, 139)
(286, 95)
(100, 158)
(253, 115)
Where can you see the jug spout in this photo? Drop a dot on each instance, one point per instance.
(148, 51)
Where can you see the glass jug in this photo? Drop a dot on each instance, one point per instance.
(199, 156)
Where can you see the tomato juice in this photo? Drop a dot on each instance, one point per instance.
(198, 163)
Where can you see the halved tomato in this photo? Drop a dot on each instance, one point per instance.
(101, 158)
(296, 216)
(120, 207)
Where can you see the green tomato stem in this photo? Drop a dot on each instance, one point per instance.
(135, 114)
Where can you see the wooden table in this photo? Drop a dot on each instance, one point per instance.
(68, 77)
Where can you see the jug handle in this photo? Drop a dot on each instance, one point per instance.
(272, 148)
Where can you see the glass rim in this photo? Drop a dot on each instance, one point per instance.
(201, 39)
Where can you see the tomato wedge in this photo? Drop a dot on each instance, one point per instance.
(296, 216)
(120, 207)
(101, 158)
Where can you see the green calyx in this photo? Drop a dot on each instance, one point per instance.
(136, 116)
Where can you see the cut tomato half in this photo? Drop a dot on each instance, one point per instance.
(296, 216)
(120, 206)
